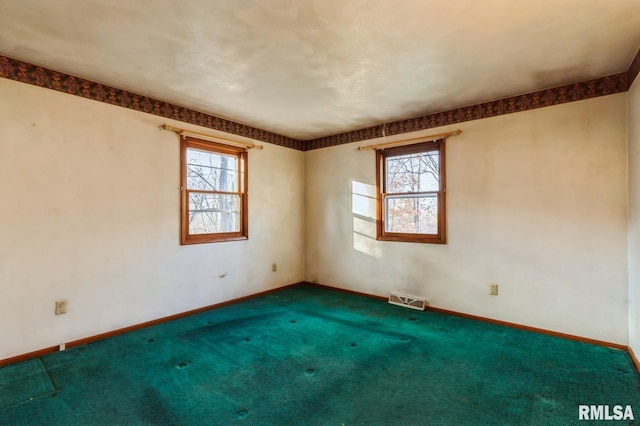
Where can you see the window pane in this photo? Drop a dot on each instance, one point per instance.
(418, 172)
(213, 213)
(210, 171)
(415, 215)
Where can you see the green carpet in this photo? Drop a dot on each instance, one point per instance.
(22, 382)
(312, 356)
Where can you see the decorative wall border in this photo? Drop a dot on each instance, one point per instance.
(25, 72)
(634, 69)
(570, 93)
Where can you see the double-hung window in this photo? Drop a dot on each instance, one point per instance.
(213, 192)
(411, 193)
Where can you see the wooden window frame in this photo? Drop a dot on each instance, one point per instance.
(381, 156)
(186, 238)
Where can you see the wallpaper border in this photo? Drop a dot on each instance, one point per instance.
(603, 86)
(25, 72)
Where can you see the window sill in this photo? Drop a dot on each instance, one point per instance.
(413, 238)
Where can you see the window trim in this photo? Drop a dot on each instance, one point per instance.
(187, 142)
(381, 156)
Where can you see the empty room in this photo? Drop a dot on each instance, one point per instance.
(284, 212)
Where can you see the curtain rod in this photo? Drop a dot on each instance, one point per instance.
(212, 138)
(408, 141)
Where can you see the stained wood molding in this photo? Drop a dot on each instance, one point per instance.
(502, 323)
(102, 336)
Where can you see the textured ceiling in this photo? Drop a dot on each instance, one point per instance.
(312, 68)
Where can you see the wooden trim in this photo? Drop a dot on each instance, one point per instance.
(135, 327)
(28, 356)
(529, 328)
(241, 155)
(244, 170)
(102, 336)
(634, 358)
(442, 199)
(382, 192)
(205, 145)
(212, 138)
(379, 185)
(410, 141)
(492, 321)
(344, 290)
(184, 201)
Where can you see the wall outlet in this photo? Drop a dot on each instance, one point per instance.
(493, 289)
(61, 307)
(274, 267)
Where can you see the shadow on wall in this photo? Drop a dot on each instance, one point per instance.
(363, 207)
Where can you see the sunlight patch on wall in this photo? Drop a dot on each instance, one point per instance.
(363, 200)
(363, 207)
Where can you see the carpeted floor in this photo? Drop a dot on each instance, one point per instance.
(311, 356)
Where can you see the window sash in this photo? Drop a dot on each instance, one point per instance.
(429, 184)
(423, 223)
(384, 223)
(233, 215)
(201, 175)
(236, 227)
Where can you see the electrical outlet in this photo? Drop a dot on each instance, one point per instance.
(61, 307)
(493, 289)
(274, 267)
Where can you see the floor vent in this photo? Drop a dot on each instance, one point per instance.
(412, 302)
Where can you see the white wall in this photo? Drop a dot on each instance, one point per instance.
(634, 217)
(90, 213)
(537, 203)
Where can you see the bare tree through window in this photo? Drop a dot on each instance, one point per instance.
(212, 211)
(413, 173)
(214, 186)
(411, 190)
